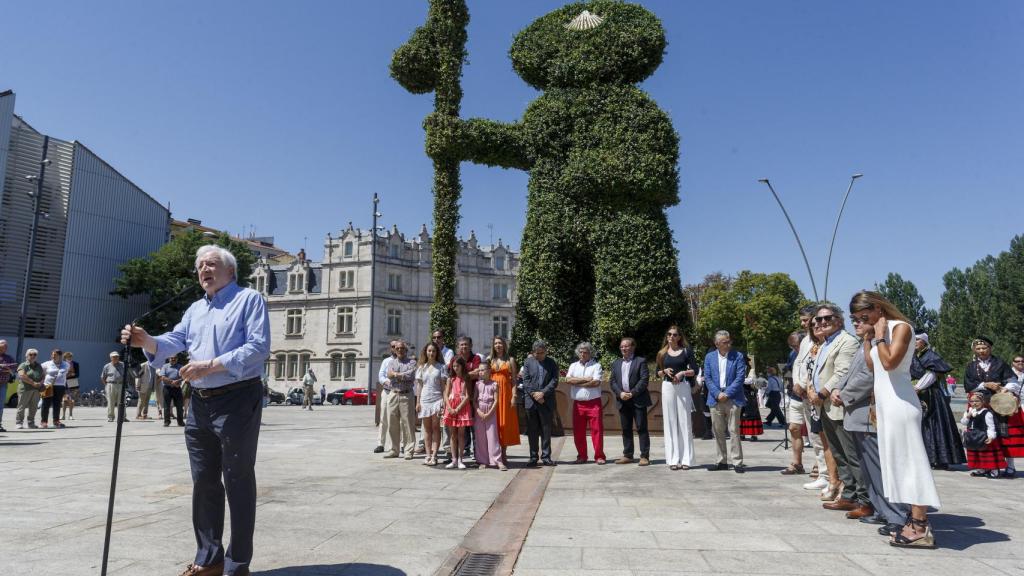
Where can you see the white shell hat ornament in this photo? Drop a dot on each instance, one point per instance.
(585, 21)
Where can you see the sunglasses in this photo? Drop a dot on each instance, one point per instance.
(824, 319)
(672, 334)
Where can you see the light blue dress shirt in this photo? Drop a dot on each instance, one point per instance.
(232, 327)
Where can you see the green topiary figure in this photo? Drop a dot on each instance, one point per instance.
(597, 255)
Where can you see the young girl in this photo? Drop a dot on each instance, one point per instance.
(485, 425)
(457, 411)
(430, 378)
(989, 460)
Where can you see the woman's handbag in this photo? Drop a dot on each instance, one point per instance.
(47, 391)
(975, 439)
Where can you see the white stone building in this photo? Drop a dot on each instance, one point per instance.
(320, 311)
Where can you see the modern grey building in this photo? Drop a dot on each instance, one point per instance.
(320, 311)
(92, 220)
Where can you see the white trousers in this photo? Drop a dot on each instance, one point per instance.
(677, 409)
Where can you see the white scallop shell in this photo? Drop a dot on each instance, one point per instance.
(585, 21)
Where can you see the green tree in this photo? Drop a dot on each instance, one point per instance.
(431, 61)
(170, 270)
(904, 294)
(759, 311)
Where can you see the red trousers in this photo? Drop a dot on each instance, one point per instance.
(588, 413)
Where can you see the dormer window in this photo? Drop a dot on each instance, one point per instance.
(296, 282)
(261, 284)
(349, 249)
(395, 251)
(499, 262)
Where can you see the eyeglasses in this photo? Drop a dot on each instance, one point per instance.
(672, 334)
(824, 319)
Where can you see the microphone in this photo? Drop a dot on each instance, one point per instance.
(165, 303)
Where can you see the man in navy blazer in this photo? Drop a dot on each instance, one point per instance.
(628, 382)
(724, 371)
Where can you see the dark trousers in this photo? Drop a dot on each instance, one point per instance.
(51, 403)
(538, 427)
(844, 450)
(221, 436)
(774, 405)
(866, 445)
(173, 394)
(630, 415)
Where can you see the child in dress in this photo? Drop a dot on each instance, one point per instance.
(978, 416)
(485, 425)
(457, 411)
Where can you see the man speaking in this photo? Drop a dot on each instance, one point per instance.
(227, 337)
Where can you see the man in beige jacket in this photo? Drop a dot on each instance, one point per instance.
(834, 358)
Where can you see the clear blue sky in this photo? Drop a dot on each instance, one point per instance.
(282, 115)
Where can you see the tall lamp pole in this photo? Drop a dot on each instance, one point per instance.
(795, 235)
(828, 264)
(43, 163)
(373, 293)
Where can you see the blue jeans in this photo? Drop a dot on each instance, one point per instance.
(221, 434)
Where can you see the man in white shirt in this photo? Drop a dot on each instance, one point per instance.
(585, 376)
(383, 387)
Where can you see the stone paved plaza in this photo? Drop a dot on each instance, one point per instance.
(328, 506)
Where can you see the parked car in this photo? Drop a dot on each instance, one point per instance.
(356, 396)
(336, 397)
(295, 396)
(276, 397)
(12, 395)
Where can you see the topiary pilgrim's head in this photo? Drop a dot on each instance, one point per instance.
(588, 44)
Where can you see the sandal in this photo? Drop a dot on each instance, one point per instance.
(926, 540)
(793, 469)
(673, 467)
(814, 472)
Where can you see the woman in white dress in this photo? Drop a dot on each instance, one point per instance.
(906, 471)
(677, 368)
(430, 377)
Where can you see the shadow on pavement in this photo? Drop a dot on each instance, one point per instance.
(348, 569)
(954, 532)
(5, 443)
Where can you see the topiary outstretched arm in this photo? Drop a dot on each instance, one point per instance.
(477, 140)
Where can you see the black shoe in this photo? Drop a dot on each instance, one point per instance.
(532, 463)
(181, 423)
(739, 469)
(707, 436)
(718, 467)
(753, 438)
(890, 529)
(873, 520)
(1009, 473)
(547, 462)
(167, 423)
(2, 429)
(378, 450)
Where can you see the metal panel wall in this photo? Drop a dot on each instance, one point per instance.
(6, 119)
(110, 221)
(24, 156)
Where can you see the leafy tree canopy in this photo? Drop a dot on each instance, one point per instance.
(171, 269)
(904, 294)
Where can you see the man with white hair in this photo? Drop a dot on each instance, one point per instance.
(112, 377)
(724, 372)
(227, 336)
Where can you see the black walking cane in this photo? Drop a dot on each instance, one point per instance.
(126, 351)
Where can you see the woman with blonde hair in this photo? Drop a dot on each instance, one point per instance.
(677, 367)
(906, 471)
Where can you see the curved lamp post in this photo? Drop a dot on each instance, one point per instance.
(828, 264)
(795, 235)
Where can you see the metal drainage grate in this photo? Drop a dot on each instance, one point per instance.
(478, 565)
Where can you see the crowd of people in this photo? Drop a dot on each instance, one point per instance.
(872, 402)
(52, 388)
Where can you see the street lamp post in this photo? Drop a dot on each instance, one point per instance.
(373, 292)
(795, 235)
(828, 264)
(31, 243)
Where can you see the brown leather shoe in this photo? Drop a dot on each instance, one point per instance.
(211, 570)
(862, 511)
(841, 504)
(644, 461)
(624, 460)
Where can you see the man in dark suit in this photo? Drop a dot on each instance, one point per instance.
(540, 378)
(629, 386)
(724, 372)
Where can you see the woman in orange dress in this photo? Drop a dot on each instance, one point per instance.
(504, 372)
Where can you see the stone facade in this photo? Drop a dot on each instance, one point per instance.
(320, 311)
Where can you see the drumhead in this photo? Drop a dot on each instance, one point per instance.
(1004, 403)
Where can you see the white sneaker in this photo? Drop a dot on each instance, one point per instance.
(20, 426)
(461, 465)
(451, 465)
(819, 484)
